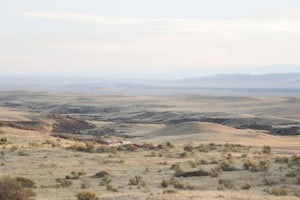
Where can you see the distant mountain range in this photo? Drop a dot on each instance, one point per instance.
(288, 80)
(273, 83)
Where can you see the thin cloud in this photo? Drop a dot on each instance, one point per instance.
(83, 18)
(177, 24)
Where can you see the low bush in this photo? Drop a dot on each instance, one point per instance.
(199, 172)
(3, 140)
(279, 191)
(52, 143)
(180, 185)
(188, 147)
(11, 189)
(137, 180)
(227, 166)
(176, 184)
(61, 182)
(206, 147)
(294, 161)
(101, 174)
(75, 175)
(246, 186)
(86, 147)
(111, 188)
(87, 195)
(262, 165)
(165, 183)
(266, 149)
(269, 182)
(183, 154)
(281, 159)
(169, 191)
(175, 166)
(215, 171)
(227, 183)
(195, 163)
(105, 180)
(25, 182)
(23, 153)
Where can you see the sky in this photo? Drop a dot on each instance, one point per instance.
(150, 38)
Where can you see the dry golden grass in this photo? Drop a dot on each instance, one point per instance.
(9, 114)
(48, 159)
(62, 168)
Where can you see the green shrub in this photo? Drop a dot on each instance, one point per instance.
(266, 149)
(188, 147)
(25, 182)
(213, 161)
(262, 165)
(86, 147)
(206, 147)
(183, 154)
(101, 174)
(109, 187)
(246, 186)
(175, 166)
(165, 183)
(279, 191)
(87, 195)
(244, 155)
(226, 166)
(169, 191)
(294, 161)
(105, 180)
(195, 163)
(199, 172)
(176, 184)
(75, 175)
(23, 153)
(137, 180)
(230, 147)
(269, 182)
(293, 174)
(14, 148)
(227, 183)
(180, 185)
(3, 141)
(215, 171)
(63, 182)
(11, 189)
(281, 159)
(52, 143)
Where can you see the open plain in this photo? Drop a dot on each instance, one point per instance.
(151, 147)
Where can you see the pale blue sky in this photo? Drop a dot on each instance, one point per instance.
(157, 36)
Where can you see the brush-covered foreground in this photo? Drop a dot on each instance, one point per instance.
(67, 169)
(87, 147)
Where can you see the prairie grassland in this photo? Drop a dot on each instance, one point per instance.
(74, 146)
(62, 168)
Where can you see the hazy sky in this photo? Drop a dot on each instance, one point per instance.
(143, 36)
